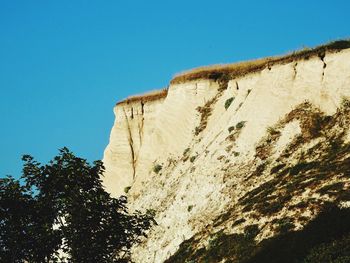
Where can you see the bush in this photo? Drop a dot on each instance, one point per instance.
(186, 151)
(157, 168)
(189, 208)
(240, 125)
(251, 231)
(284, 225)
(345, 103)
(192, 159)
(126, 189)
(231, 128)
(272, 131)
(228, 102)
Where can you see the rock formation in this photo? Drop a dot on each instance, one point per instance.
(228, 147)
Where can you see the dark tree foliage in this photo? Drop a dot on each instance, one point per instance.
(62, 213)
(24, 229)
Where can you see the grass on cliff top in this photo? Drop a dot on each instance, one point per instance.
(230, 71)
(224, 72)
(150, 96)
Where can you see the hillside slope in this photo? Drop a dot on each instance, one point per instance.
(233, 156)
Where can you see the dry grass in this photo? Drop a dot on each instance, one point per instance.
(205, 113)
(223, 73)
(149, 96)
(230, 71)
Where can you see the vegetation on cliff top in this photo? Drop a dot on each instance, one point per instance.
(222, 73)
(230, 71)
(143, 98)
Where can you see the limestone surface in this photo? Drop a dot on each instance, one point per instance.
(193, 157)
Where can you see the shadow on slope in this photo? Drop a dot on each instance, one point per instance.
(325, 239)
(322, 168)
(319, 235)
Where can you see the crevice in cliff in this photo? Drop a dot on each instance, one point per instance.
(131, 144)
(295, 72)
(142, 108)
(142, 122)
(269, 66)
(322, 56)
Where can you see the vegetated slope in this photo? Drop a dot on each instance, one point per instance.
(318, 181)
(238, 166)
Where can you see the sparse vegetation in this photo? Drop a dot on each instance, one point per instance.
(157, 168)
(277, 168)
(284, 225)
(126, 189)
(230, 71)
(186, 151)
(272, 131)
(240, 125)
(332, 189)
(221, 246)
(345, 103)
(228, 102)
(205, 113)
(289, 179)
(231, 128)
(296, 169)
(320, 163)
(150, 96)
(189, 208)
(312, 170)
(324, 239)
(238, 222)
(236, 132)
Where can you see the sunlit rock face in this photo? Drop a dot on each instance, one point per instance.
(197, 160)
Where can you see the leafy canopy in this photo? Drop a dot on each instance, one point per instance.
(62, 213)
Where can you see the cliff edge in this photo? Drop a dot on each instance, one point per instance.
(228, 147)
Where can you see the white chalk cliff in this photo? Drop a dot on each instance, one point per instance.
(192, 160)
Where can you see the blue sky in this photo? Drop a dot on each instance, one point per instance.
(64, 64)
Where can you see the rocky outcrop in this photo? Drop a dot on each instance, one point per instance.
(135, 122)
(203, 153)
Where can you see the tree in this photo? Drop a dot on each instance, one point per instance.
(62, 213)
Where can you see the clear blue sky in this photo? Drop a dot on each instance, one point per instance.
(64, 64)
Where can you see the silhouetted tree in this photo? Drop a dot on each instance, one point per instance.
(63, 213)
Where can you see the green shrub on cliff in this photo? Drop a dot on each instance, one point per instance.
(228, 102)
(157, 168)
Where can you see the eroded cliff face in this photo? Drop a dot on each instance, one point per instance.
(206, 165)
(130, 136)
